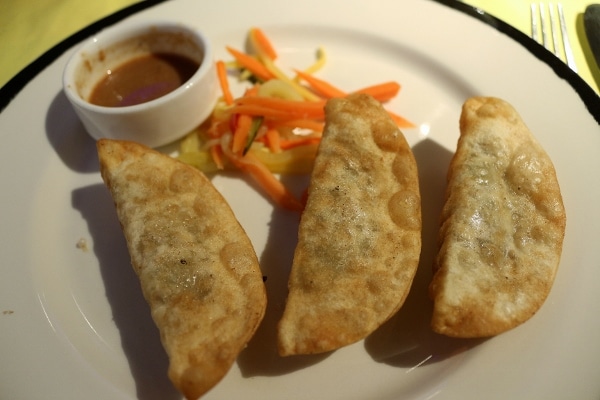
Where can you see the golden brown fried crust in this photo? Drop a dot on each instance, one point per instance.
(502, 226)
(197, 268)
(360, 234)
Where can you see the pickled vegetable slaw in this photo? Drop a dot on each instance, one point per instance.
(276, 125)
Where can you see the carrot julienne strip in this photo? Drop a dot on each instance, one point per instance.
(217, 129)
(322, 87)
(251, 63)
(251, 165)
(254, 128)
(251, 92)
(241, 132)
(262, 43)
(274, 188)
(312, 108)
(275, 114)
(277, 73)
(291, 143)
(273, 140)
(224, 83)
(217, 155)
(401, 121)
(383, 91)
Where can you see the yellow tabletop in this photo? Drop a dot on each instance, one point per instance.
(27, 32)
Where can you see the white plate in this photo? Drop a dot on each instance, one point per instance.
(73, 323)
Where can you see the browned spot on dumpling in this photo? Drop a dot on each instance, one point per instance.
(405, 209)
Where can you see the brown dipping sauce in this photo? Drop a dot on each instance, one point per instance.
(143, 79)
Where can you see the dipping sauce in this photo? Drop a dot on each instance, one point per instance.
(143, 79)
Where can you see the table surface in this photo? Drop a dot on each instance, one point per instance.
(27, 32)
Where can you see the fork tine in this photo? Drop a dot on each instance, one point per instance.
(544, 25)
(553, 30)
(565, 36)
(540, 24)
(534, 22)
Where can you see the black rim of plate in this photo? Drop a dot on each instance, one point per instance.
(589, 97)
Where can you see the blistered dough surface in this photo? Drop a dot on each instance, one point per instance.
(502, 226)
(360, 234)
(197, 268)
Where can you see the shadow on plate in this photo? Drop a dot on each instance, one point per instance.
(406, 340)
(261, 358)
(140, 339)
(68, 137)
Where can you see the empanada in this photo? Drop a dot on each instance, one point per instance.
(360, 234)
(197, 268)
(502, 225)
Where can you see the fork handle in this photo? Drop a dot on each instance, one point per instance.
(591, 22)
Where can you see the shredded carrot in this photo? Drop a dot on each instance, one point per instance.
(224, 83)
(256, 129)
(273, 140)
(303, 141)
(310, 109)
(274, 188)
(277, 73)
(217, 129)
(258, 110)
(262, 43)
(320, 86)
(275, 114)
(217, 155)
(240, 134)
(251, 92)
(383, 91)
(251, 63)
(401, 121)
(257, 132)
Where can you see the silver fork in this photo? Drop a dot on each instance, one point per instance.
(544, 21)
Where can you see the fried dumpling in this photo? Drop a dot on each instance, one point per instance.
(197, 268)
(502, 225)
(360, 234)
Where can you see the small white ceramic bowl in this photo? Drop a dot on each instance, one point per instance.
(156, 122)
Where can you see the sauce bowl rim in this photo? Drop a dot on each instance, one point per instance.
(116, 34)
